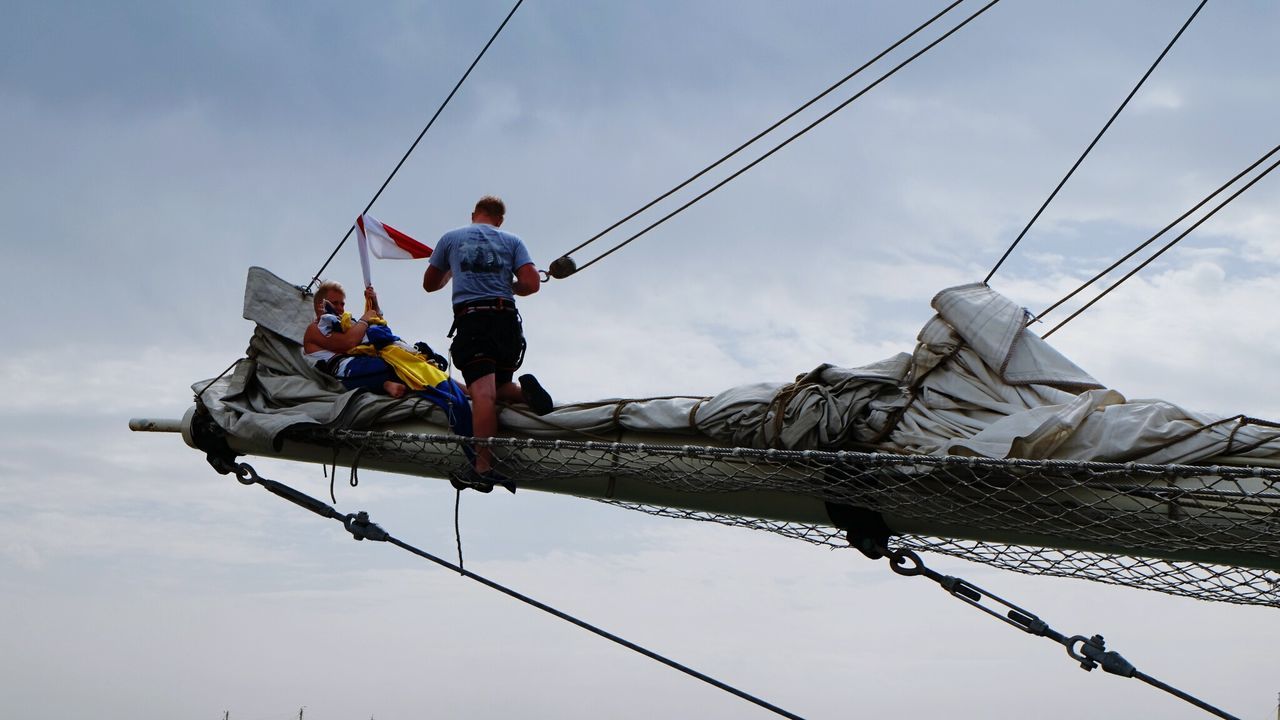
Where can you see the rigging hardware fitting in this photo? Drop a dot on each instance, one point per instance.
(361, 528)
(562, 267)
(1089, 652)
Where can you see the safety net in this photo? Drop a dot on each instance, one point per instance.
(1210, 532)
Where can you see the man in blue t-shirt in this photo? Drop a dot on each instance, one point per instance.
(489, 267)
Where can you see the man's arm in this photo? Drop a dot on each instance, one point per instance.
(336, 342)
(435, 278)
(527, 280)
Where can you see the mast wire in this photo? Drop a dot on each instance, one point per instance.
(1162, 250)
(786, 142)
(1153, 238)
(360, 527)
(316, 278)
(1090, 652)
(769, 129)
(1098, 137)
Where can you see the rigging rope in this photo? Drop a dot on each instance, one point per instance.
(316, 278)
(769, 129)
(1089, 652)
(1162, 250)
(361, 528)
(1101, 132)
(565, 260)
(1153, 238)
(1207, 532)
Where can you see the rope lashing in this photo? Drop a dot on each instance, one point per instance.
(1096, 138)
(316, 278)
(571, 266)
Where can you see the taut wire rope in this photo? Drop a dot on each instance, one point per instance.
(361, 528)
(316, 278)
(1166, 246)
(1156, 236)
(1090, 652)
(1098, 137)
(769, 129)
(784, 143)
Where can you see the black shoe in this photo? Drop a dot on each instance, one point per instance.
(538, 399)
(493, 477)
(432, 356)
(469, 478)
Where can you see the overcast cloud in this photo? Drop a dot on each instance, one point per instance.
(154, 151)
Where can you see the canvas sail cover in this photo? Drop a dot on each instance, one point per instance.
(977, 383)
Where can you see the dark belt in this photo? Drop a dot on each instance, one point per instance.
(486, 305)
(474, 306)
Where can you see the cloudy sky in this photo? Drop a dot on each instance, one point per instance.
(153, 151)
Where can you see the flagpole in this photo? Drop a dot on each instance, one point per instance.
(363, 243)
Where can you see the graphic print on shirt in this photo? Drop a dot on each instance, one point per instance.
(479, 257)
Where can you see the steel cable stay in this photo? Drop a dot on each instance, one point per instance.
(1096, 138)
(566, 266)
(769, 129)
(361, 528)
(1090, 652)
(1156, 236)
(1166, 246)
(316, 278)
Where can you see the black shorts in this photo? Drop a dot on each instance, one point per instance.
(488, 342)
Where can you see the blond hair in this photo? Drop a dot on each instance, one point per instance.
(325, 289)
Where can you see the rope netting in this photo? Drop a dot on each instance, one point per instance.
(1208, 532)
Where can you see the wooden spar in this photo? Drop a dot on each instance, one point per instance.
(763, 503)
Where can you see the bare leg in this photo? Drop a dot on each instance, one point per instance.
(510, 392)
(484, 417)
(395, 389)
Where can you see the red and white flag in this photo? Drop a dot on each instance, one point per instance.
(385, 242)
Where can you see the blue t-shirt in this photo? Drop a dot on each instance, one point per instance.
(483, 259)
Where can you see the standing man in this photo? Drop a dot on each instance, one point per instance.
(489, 267)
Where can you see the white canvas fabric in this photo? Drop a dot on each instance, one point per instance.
(978, 383)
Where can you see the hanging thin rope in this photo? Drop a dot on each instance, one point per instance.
(361, 528)
(1101, 132)
(457, 528)
(1153, 238)
(316, 278)
(788, 141)
(769, 129)
(1162, 250)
